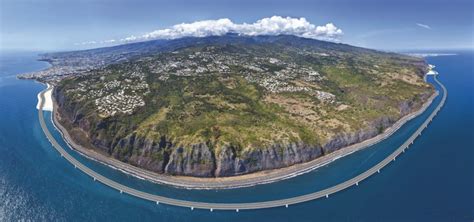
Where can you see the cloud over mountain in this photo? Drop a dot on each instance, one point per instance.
(274, 25)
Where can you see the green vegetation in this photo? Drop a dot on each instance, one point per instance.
(248, 95)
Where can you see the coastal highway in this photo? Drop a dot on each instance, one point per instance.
(325, 193)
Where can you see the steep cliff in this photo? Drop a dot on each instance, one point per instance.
(228, 106)
(202, 160)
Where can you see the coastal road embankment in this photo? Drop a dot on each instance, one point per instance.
(325, 193)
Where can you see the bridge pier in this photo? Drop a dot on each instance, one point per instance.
(157, 202)
(357, 183)
(277, 203)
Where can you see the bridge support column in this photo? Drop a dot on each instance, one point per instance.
(286, 205)
(192, 208)
(95, 179)
(327, 195)
(211, 209)
(121, 191)
(157, 202)
(237, 210)
(378, 171)
(357, 183)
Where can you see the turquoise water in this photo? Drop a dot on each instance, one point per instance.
(432, 181)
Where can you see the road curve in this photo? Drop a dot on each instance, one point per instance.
(239, 206)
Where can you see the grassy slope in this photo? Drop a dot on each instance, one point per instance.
(225, 108)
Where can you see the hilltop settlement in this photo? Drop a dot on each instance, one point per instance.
(230, 105)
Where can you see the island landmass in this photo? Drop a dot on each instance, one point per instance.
(231, 108)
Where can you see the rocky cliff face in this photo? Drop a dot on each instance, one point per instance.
(202, 160)
(276, 156)
(347, 139)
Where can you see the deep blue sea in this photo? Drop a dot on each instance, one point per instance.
(432, 181)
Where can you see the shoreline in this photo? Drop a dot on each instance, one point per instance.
(48, 103)
(239, 181)
(232, 206)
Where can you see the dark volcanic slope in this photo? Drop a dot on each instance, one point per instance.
(229, 105)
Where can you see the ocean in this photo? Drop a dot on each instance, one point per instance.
(432, 181)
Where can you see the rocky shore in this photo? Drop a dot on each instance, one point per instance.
(198, 167)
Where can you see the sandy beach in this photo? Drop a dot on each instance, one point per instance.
(246, 180)
(48, 103)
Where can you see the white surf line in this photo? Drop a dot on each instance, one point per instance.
(250, 205)
(48, 103)
(300, 169)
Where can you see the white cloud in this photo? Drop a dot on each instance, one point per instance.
(110, 41)
(195, 29)
(274, 25)
(423, 26)
(86, 43)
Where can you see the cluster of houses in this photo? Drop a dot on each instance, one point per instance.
(123, 95)
(116, 96)
(254, 69)
(119, 102)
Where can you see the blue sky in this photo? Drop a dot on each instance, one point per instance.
(51, 25)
